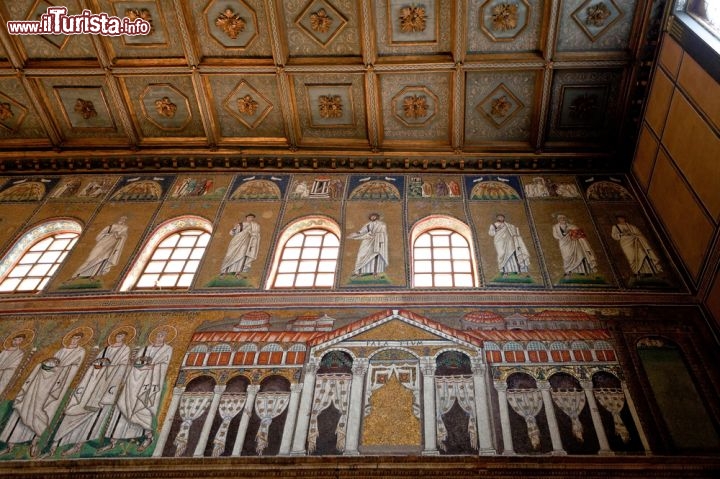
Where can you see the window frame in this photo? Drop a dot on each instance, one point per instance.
(159, 235)
(31, 237)
(441, 222)
(297, 227)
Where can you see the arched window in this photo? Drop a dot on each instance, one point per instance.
(442, 254)
(37, 255)
(171, 256)
(307, 256)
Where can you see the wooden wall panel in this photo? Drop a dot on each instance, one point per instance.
(645, 157)
(671, 55)
(701, 88)
(659, 101)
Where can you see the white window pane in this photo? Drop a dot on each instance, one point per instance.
(443, 280)
(62, 257)
(296, 241)
(329, 253)
(66, 235)
(422, 253)
(59, 244)
(305, 280)
(155, 267)
(441, 253)
(464, 280)
(49, 257)
(284, 280)
(325, 280)
(9, 284)
(331, 240)
(308, 266)
(423, 241)
(147, 281)
(313, 240)
(187, 241)
(170, 241)
(458, 240)
(423, 266)
(43, 283)
(443, 240)
(174, 266)
(53, 268)
(191, 266)
(41, 245)
(291, 253)
(311, 253)
(288, 267)
(461, 253)
(29, 284)
(162, 253)
(20, 271)
(197, 253)
(442, 266)
(181, 253)
(39, 270)
(461, 266)
(185, 280)
(203, 240)
(423, 280)
(327, 266)
(30, 258)
(168, 280)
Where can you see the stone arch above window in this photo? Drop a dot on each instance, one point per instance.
(442, 254)
(171, 257)
(34, 258)
(307, 255)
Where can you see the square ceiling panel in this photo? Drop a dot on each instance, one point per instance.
(247, 106)
(50, 46)
(502, 26)
(164, 106)
(595, 25)
(412, 28)
(584, 105)
(322, 27)
(415, 106)
(499, 106)
(330, 106)
(162, 41)
(17, 117)
(230, 28)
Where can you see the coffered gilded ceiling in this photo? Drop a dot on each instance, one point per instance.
(471, 78)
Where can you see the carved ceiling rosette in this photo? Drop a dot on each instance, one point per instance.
(166, 107)
(247, 105)
(320, 21)
(595, 17)
(415, 106)
(12, 113)
(85, 107)
(233, 24)
(504, 20)
(500, 105)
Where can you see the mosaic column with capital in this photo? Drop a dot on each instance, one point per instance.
(359, 368)
(605, 450)
(207, 425)
(427, 365)
(501, 387)
(482, 409)
(252, 391)
(292, 410)
(544, 387)
(169, 418)
(303, 415)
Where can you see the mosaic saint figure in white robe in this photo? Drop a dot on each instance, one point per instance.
(92, 401)
(637, 250)
(372, 257)
(138, 402)
(243, 247)
(512, 254)
(577, 254)
(43, 391)
(10, 358)
(106, 252)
